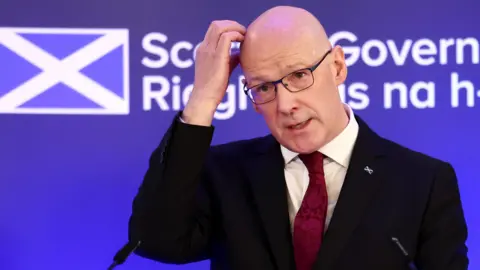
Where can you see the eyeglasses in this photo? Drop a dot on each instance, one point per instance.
(294, 82)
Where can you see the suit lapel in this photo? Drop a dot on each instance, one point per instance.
(267, 179)
(362, 180)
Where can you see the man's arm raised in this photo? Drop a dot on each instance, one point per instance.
(171, 213)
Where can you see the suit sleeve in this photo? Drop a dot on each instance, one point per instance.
(444, 231)
(171, 213)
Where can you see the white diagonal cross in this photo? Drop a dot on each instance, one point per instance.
(367, 169)
(65, 71)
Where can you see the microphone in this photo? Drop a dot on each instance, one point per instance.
(123, 254)
(411, 265)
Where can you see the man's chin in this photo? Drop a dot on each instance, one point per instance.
(306, 150)
(302, 146)
(302, 143)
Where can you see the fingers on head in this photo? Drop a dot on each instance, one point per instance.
(218, 29)
(227, 38)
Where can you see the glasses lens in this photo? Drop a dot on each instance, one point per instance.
(262, 93)
(299, 80)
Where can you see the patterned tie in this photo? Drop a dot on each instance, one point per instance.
(310, 220)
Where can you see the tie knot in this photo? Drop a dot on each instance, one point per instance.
(313, 161)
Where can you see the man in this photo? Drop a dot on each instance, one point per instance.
(323, 191)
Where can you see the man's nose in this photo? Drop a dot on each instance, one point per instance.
(286, 100)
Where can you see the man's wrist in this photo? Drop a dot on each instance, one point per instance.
(198, 113)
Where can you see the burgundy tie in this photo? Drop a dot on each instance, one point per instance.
(310, 220)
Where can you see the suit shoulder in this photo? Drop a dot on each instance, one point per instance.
(241, 147)
(410, 157)
(245, 145)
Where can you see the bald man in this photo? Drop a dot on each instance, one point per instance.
(322, 191)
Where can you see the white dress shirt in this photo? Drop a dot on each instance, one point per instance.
(337, 152)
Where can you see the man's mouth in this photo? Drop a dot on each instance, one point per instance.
(300, 125)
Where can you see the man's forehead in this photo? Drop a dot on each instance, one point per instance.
(266, 71)
(298, 64)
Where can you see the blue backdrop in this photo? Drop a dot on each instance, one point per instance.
(87, 89)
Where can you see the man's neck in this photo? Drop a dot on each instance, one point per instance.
(341, 122)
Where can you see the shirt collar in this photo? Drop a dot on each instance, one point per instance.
(340, 148)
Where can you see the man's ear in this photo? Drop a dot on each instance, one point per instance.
(339, 65)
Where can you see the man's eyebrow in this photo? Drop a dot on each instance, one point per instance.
(289, 69)
(297, 65)
(256, 81)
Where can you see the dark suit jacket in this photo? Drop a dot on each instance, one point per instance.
(228, 203)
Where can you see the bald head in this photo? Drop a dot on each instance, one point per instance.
(288, 21)
(283, 32)
(289, 45)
